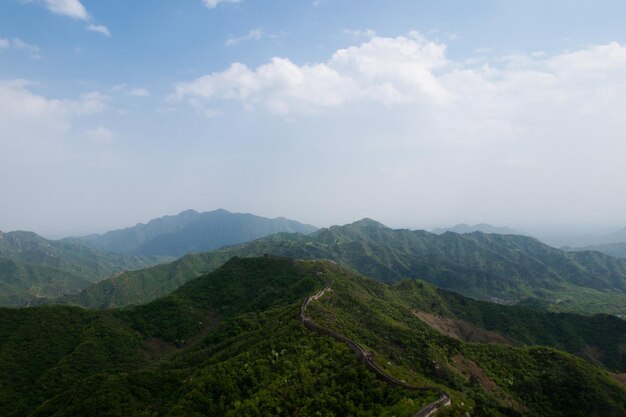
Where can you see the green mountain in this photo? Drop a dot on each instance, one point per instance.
(190, 231)
(32, 267)
(508, 269)
(231, 343)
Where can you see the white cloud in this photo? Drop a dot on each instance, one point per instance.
(74, 9)
(71, 8)
(19, 44)
(212, 4)
(521, 98)
(387, 70)
(99, 29)
(253, 35)
(23, 110)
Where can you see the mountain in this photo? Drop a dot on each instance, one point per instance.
(482, 227)
(591, 239)
(617, 250)
(190, 231)
(32, 267)
(504, 268)
(232, 342)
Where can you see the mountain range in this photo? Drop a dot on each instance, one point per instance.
(231, 342)
(33, 268)
(509, 269)
(190, 231)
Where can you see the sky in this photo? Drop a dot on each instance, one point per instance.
(419, 114)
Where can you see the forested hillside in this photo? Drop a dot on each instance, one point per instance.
(231, 343)
(32, 267)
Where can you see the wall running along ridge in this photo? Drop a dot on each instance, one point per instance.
(368, 359)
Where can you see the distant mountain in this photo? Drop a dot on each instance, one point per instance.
(615, 237)
(482, 227)
(32, 267)
(233, 343)
(504, 268)
(190, 231)
(617, 250)
(581, 241)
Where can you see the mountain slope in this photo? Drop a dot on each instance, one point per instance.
(505, 268)
(231, 343)
(23, 284)
(190, 231)
(32, 267)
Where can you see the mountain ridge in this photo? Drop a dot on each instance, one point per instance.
(503, 268)
(463, 228)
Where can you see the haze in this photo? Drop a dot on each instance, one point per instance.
(415, 114)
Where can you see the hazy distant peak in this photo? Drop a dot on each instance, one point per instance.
(190, 231)
(463, 228)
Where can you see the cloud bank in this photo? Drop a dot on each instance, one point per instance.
(516, 136)
(388, 70)
(412, 69)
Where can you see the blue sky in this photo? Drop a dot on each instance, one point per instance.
(416, 113)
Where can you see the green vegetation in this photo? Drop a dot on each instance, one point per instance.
(507, 269)
(230, 343)
(32, 267)
(491, 379)
(142, 286)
